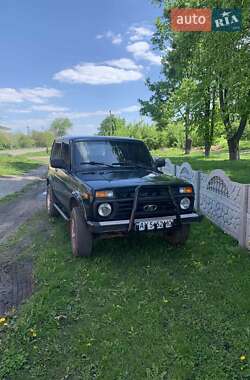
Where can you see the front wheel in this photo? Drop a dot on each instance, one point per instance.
(177, 236)
(81, 237)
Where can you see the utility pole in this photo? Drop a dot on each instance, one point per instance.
(112, 123)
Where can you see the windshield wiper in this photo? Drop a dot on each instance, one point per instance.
(95, 163)
(131, 164)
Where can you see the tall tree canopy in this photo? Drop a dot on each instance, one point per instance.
(60, 126)
(216, 64)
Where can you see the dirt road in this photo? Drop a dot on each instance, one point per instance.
(11, 184)
(15, 212)
(16, 280)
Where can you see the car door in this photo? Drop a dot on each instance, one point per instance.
(64, 177)
(56, 153)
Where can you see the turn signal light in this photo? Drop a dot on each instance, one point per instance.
(186, 190)
(104, 194)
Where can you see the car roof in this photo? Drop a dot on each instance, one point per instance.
(67, 139)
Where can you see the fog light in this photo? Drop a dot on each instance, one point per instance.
(185, 203)
(104, 209)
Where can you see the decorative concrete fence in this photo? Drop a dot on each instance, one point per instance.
(224, 202)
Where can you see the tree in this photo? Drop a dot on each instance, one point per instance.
(60, 126)
(218, 63)
(42, 138)
(110, 125)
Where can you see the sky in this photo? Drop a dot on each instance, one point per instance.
(76, 59)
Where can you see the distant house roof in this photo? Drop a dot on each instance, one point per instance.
(4, 129)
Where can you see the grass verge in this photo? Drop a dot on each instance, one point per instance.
(18, 165)
(238, 171)
(138, 309)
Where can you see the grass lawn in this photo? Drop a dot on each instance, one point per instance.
(138, 309)
(237, 170)
(18, 165)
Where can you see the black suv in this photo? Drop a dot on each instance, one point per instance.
(110, 186)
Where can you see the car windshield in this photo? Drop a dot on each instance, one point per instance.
(111, 153)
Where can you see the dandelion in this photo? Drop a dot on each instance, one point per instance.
(33, 333)
(242, 358)
(2, 320)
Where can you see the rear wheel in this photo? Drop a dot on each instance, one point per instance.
(50, 200)
(81, 237)
(177, 236)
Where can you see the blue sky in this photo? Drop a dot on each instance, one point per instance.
(76, 59)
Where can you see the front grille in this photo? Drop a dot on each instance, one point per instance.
(156, 195)
(124, 208)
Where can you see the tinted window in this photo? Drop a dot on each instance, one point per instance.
(66, 153)
(112, 153)
(56, 152)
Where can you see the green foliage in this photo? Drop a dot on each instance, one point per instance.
(42, 139)
(110, 125)
(5, 140)
(205, 79)
(60, 126)
(23, 141)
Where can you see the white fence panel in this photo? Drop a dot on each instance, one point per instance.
(169, 168)
(226, 203)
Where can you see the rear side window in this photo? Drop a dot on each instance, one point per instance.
(56, 151)
(66, 154)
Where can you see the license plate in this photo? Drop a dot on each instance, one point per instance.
(151, 225)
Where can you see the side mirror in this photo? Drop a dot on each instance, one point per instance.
(159, 162)
(58, 163)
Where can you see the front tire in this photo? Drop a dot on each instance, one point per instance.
(50, 200)
(177, 236)
(81, 237)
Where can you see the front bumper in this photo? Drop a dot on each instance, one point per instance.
(122, 225)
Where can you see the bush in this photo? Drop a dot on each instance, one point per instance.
(5, 140)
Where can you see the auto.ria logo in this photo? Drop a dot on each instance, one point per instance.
(205, 20)
(226, 20)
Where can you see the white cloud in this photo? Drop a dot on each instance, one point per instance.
(124, 63)
(33, 95)
(49, 108)
(96, 74)
(138, 33)
(116, 39)
(141, 50)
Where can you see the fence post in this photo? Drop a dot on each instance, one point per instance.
(246, 220)
(198, 191)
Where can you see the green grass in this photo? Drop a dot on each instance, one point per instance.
(18, 165)
(138, 309)
(237, 170)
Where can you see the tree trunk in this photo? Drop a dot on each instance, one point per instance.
(233, 148)
(207, 149)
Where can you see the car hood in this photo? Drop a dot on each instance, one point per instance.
(106, 179)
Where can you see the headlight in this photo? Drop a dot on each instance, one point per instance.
(104, 194)
(104, 209)
(185, 203)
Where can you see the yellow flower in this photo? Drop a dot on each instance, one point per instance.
(33, 333)
(2, 320)
(242, 358)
